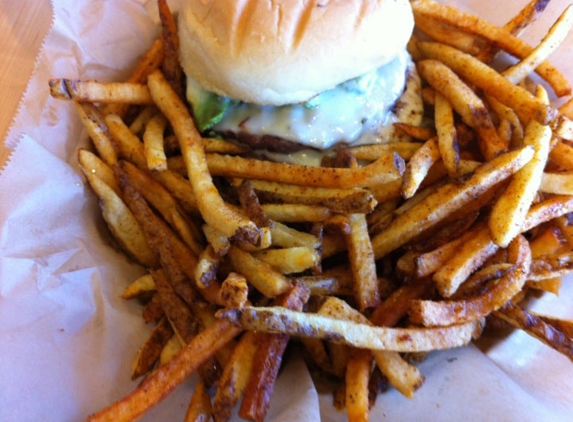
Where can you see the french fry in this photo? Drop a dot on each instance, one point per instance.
(92, 120)
(91, 163)
(447, 135)
(362, 263)
(539, 54)
(448, 198)
(491, 33)
(462, 98)
(153, 143)
(100, 92)
(384, 170)
(418, 167)
(404, 377)
(284, 321)
(212, 207)
(160, 383)
(150, 351)
(297, 213)
(141, 287)
(445, 313)
(261, 275)
(199, 409)
(234, 377)
(289, 260)
(338, 200)
(267, 361)
(538, 328)
(122, 223)
(484, 77)
(468, 257)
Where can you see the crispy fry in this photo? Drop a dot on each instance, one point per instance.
(284, 321)
(484, 77)
(100, 92)
(447, 135)
(497, 36)
(153, 143)
(538, 328)
(445, 313)
(450, 197)
(213, 208)
(159, 384)
(150, 351)
(199, 409)
(384, 170)
(261, 275)
(267, 361)
(235, 376)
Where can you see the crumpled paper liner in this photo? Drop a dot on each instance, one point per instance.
(68, 339)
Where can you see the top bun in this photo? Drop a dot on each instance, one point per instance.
(280, 52)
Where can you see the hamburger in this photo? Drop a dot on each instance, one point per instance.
(300, 76)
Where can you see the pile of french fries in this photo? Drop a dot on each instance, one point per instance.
(369, 262)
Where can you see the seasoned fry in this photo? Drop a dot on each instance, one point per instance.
(510, 209)
(450, 197)
(100, 92)
(484, 77)
(386, 169)
(445, 313)
(497, 36)
(153, 143)
(212, 207)
(284, 321)
(368, 260)
(160, 383)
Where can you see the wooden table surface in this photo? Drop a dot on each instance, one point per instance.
(23, 25)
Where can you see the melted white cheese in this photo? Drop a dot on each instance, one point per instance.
(352, 113)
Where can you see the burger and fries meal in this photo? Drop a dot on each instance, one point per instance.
(364, 179)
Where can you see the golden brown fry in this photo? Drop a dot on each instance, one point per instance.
(279, 320)
(338, 200)
(484, 77)
(418, 167)
(234, 377)
(122, 223)
(199, 409)
(297, 213)
(213, 209)
(468, 257)
(539, 54)
(141, 287)
(261, 275)
(357, 378)
(445, 313)
(170, 65)
(267, 361)
(432, 209)
(497, 36)
(472, 109)
(385, 169)
(153, 143)
(91, 163)
(447, 134)
(150, 351)
(538, 328)
(159, 384)
(100, 92)
(290, 260)
(362, 263)
(98, 131)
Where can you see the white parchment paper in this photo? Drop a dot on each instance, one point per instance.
(67, 340)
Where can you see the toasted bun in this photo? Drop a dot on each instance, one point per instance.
(287, 51)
